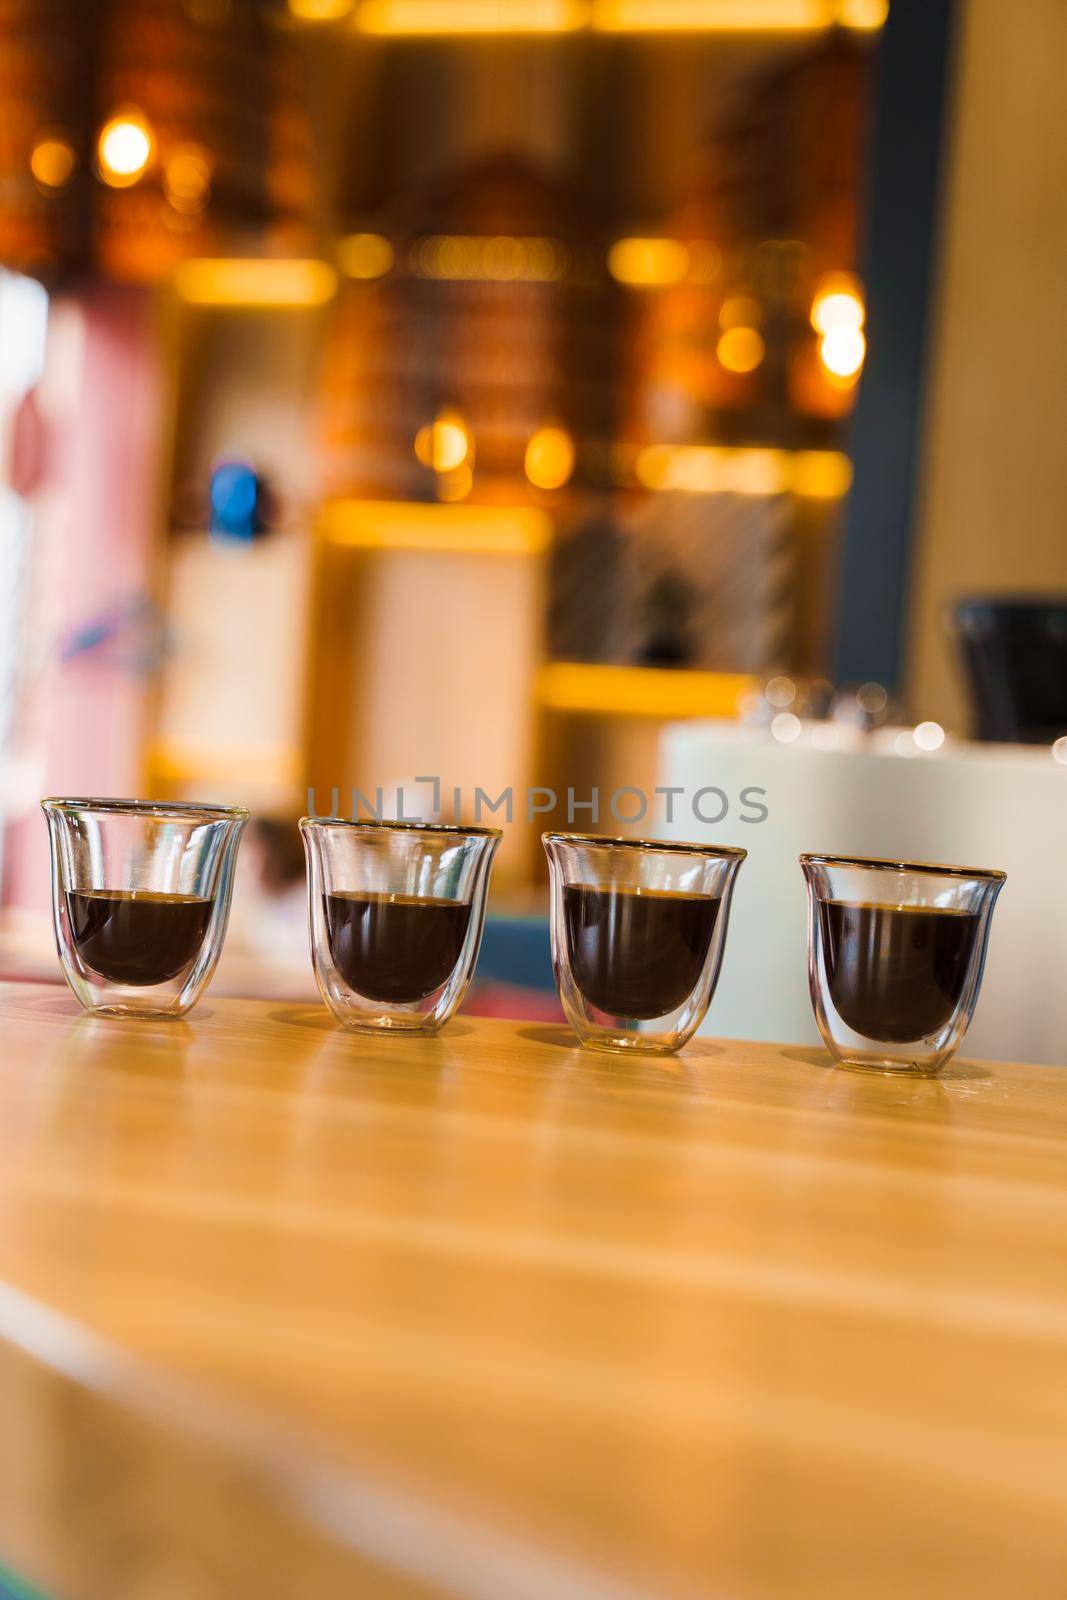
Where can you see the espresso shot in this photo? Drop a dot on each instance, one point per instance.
(895, 957)
(897, 972)
(638, 927)
(395, 913)
(147, 951)
(637, 952)
(137, 937)
(395, 948)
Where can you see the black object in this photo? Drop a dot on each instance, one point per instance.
(1014, 654)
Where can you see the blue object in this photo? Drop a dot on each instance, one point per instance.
(517, 951)
(235, 501)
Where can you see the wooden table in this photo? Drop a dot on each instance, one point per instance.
(286, 1313)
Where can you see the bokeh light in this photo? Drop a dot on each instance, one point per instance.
(365, 256)
(471, 16)
(444, 444)
(52, 162)
(864, 15)
(648, 263)
(320, 10)
(841, 352)
(187, 178)
(929, 736)
(255, 281)
(498, 258)
(837, 315)
(124, 148)
(740, 350)
(837, 303)
(550, 458)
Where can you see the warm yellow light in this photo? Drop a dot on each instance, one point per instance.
(444, 444)
(708, 469)
(187, 178)
(365, 255)
(550, 458)
(52, 162)
(740, 310)
(455, 485)
(320, 10)
(821, 474)
(455, 530)
(124, 148)
(864, 15)
(255, 281)
(837, 303)
(716, 469)
(664, 692)
(707, 16)
(495, 258)
(471, 16)
(740, 350)
(841, 351)
(648, 263)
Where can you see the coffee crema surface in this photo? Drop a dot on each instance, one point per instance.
(637, 953)
(395, 948)
(896, 973)
(138, 937)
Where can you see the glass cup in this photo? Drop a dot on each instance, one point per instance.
(396, 912)
(638, 929)
(895, 957)
(140, 899)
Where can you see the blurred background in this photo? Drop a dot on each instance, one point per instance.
(570, 393)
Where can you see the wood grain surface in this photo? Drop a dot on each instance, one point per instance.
(286, 1312)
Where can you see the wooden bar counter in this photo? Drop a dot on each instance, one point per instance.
(286, 1314)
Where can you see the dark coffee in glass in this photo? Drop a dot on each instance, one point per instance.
(140, 897)
(897, 972)
(137, 936)
(895, 957)
(396, 913)
(637, 935)
(637, 952)
(395, 947)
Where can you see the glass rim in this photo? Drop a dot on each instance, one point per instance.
(387, 825)
(175, 810)
(888, 864)
(728, 852)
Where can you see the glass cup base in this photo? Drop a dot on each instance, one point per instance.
(416, 1028)
(887, 1066)
(629, 1044)
(138, 1013)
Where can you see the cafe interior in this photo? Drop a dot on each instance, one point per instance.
(537, 397)
(637, 417)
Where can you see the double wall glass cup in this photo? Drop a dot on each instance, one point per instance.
(895, 957)
(140, 900)
(396, 912)
(638, 929)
